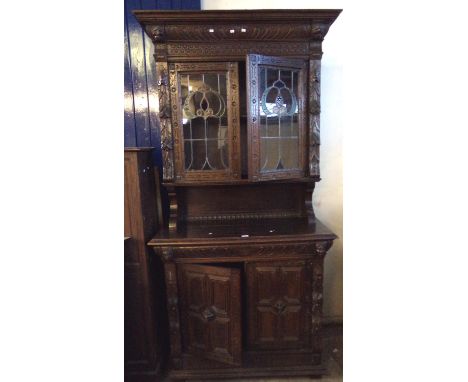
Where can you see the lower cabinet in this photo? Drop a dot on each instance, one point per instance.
(251, 310)
(227, 309)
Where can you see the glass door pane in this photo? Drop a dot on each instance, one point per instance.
(276, 126)
(204, 118)
(206, 106)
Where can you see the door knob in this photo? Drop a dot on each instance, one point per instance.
(208, 314)
(280, 306)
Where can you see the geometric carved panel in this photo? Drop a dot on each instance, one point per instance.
(210, 304)
(277, 302)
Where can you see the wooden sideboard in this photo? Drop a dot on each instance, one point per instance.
(243, 253)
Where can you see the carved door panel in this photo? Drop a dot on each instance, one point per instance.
(211, 312)
(278, 296)
(276, 90)
(205, 116)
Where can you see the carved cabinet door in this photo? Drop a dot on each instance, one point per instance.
(277, 298)
(205, 116)
(276, 92)
(211, 312)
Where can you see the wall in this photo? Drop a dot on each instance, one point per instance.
(328, 199)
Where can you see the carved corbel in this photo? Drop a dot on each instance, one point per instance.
(167, 254)
(321, 247)
(157, 33)
(319, 30)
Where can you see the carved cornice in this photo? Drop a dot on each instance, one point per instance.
(234, 32)
(276, 24)
(193, 32)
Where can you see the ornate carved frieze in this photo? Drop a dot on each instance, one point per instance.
(265, 251)
(243, 216)
(314, 118)
(236, 49)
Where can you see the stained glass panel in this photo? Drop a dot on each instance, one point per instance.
(205, 124)
(279, 119)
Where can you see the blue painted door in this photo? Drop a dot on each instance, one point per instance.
(141, 123)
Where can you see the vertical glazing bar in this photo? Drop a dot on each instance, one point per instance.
(279, 128)
(265, 141)
(190, 121)
(292, 111)
(206, 133)
(220, 124)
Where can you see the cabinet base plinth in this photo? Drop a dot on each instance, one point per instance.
(253, 366)
(241, 372)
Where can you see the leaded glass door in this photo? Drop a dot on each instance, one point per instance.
(205, 113)
(276, 94)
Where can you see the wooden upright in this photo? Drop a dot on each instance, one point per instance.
(239, 106)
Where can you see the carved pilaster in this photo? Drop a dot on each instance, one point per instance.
(314, 120)
(321, 248)
(172, 296)
(167, 145)
(308, 203)
(173, 208)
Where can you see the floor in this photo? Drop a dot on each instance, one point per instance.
(333, 358)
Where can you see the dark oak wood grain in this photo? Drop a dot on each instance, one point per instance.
(144, 335)
(211, 312)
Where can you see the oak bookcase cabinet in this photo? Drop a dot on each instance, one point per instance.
(239, 109)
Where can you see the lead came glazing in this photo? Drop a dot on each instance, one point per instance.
(279, 129)
(203, 98)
